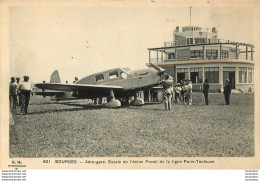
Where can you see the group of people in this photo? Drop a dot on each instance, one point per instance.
(19, 93)
(183, 91)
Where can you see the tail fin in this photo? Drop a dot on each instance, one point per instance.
(55, 77)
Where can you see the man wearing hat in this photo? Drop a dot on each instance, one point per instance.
(227, 92)
(167, 91)
(26, 90)
(18, 91)
(206, 91)
(13, 93)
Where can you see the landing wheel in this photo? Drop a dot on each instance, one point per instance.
(137, 101)
(112, 103)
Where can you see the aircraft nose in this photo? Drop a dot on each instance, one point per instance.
(161, 72)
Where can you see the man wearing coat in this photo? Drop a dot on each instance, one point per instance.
(227, 92)
(206, 91)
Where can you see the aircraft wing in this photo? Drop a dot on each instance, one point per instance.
(75, 87)
(49, 93)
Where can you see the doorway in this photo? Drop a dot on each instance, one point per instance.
(231, 76)
(180, 76)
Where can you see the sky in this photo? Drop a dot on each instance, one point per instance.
(79, 41)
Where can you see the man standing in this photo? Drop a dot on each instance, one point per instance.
(18, 91)
(26, 90)
(167, 92)
(206, 91)
(227, 92)
(13, 93)
(177, 91)
(188, 92)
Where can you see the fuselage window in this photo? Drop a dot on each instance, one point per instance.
(113, 75)
(99, 77)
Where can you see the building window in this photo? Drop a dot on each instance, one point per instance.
(171, 56)
(113, 75)
(200, 40)
(212, 54)
(224, 54)
(196, 54)
(212, 74)
(242, 74)
(182, 73)
(189, 41)
(250, 75)
(196, 75)
(99, 77)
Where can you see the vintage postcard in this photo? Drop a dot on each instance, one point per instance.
(129, 85)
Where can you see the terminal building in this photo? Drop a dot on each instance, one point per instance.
(198, 54)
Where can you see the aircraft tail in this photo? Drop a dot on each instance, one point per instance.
(55, 77)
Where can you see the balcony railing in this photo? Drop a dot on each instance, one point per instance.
(212, 58)
(195, 29)
(222, 41)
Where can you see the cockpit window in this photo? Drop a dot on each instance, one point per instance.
(99, 77)
(113, 75)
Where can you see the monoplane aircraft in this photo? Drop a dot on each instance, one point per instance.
(117, 85)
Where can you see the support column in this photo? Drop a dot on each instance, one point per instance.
(220, 51)
(246, 74)
(157, 56)
(203, 74)
(162, 56)
(204, 53)
(236, 51)
(236, 76)
(189, 54)
(176, 55)
(246, 52)
(175, 73)
(221, 76)
(253, 75)
(189, 73)
(252, 53)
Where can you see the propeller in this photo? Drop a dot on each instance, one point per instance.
(161, 70)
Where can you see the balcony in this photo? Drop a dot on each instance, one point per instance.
(222, 50)
(218, 41)
(208, 59)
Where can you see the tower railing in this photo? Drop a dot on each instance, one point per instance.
(220, 41)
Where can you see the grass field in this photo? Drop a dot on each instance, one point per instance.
(77, 129)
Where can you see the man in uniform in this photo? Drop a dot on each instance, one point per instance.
(26, 90)
(13, 93)
(167, 92)
(206, 91)
(18, 91)
(227, 92)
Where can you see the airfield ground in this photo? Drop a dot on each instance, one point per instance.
(77, 129)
